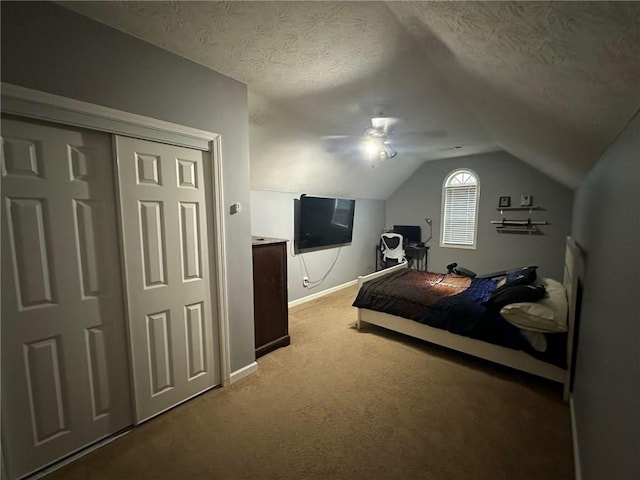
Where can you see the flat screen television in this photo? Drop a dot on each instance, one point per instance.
(324, 222)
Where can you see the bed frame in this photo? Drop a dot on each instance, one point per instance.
(573, 271)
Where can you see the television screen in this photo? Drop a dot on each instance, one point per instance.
(324, 222)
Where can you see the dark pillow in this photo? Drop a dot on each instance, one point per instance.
(514, 294)
(522, 276)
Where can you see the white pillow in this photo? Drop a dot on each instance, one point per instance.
(537, 340)
(546, 315)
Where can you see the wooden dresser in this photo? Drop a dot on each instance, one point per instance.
(270, 309)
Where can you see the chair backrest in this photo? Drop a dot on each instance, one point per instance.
(392, 247)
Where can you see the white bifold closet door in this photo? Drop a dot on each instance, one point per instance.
(165, 215)
(65, 375)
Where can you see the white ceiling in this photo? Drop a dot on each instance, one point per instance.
(552, 83)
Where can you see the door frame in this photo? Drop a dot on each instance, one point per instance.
(35, 104)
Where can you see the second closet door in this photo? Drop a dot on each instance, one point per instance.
(165, 223)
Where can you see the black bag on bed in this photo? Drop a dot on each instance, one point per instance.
(465, 272)
(522, 276)
(514, 294)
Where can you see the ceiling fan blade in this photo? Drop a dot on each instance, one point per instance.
(414, 148)
(340, 144)
(338, 137)
(418, 136)
(384, 123)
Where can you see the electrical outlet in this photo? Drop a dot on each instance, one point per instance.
(305, 281)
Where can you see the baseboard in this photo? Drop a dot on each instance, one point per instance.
(574, 436)
(76, 455)
(243, 372)
(313, 296)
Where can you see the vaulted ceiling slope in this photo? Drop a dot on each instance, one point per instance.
(552, 83)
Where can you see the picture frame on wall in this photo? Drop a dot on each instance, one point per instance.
(504, 202)
(526, 200)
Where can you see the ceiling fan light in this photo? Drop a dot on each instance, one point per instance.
(389, 151)
(370, 147)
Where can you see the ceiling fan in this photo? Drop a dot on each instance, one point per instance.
(379, 141)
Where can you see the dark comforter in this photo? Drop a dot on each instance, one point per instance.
(452, 303)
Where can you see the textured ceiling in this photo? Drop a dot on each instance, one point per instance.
(552, 83)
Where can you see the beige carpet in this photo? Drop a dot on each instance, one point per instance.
(343, 404)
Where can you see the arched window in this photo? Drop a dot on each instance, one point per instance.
(460, 195)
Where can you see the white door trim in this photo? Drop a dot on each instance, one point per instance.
(54, 108)
(36, 104)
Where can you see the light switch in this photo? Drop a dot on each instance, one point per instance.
(235, 208)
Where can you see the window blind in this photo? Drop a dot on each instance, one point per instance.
(459, 218)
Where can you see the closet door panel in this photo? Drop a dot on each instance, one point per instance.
(65, 377)
(165, 224)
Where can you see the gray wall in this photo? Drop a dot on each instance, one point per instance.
(272, 216)
(500, 174)
(606, 392)
(49, 48)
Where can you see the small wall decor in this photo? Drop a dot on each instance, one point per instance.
(504, 202)
(526, 200)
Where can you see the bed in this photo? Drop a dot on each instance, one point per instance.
(494, 348)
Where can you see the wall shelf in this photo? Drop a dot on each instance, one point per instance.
(532, 230)
(523, 226)
(516, 209)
